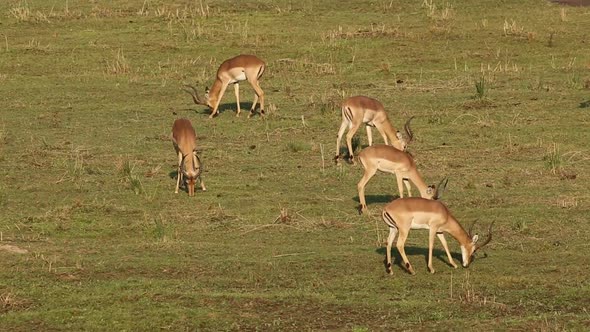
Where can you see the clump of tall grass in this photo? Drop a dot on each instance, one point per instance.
(159, 231)
(467, 294)
(127, 170)
(512, 29)
(553, 159)
(480, 88)
(23, 13)
(199, 10)
(78, 167)
(372, 31)
(119, 65)
(8, 302)
(443, 14)
(574, 81)
(297, 146)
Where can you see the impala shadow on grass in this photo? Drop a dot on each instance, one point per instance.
(173, 175)
(183, 187)
(417, 251)
(374, 199)
(225, 107)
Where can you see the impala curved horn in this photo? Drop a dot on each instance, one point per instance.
(193, 92)
(440, 189)
(488, 238)
(408, 130)
(470, 231)
(197, 164)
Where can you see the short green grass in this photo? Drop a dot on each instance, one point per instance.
(90, 90)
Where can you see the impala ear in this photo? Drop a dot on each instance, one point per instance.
(430, 190)
(475, 238)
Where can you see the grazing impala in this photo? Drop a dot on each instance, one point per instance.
(388, 159)
(360, 109)
(232, 71)
(189, 165)
(404, 214)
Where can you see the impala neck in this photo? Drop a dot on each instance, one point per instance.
(458, 232)
(420, 184)
(215, 89)
(390, 131)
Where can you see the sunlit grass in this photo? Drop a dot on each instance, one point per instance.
(88, 171)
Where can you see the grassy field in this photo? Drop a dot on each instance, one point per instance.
(92, 236)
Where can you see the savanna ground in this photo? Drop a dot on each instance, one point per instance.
(92, 236)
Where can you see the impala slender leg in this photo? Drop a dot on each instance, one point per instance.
(221, 93)
(253, 108)
(202, 183)
(400, 184)
(390, 239)
(353, 129)
(369, 135)
(432, 233)
(382, 132)
(343, 126)
(401, 240)
(259, 94)
(237, 91)
(443, 241)
(408, 187)
(179, 172)
(361, 187)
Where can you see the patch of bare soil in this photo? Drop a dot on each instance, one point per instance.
(13, 249)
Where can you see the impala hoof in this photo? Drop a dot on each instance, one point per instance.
(388, 269)
(362, 209)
